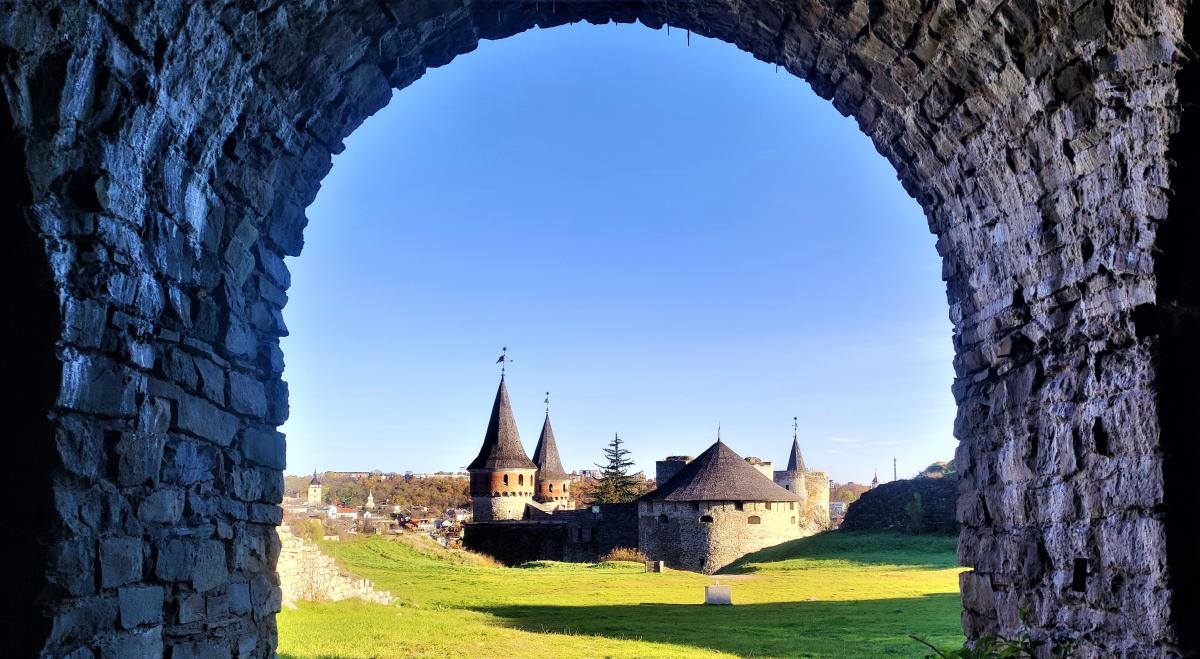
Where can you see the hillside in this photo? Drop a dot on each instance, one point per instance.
(834, 594)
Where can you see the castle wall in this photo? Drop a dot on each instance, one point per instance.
(672, 532)
(817, 501)
(576, 536)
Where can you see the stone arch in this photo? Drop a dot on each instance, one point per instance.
(168, 154)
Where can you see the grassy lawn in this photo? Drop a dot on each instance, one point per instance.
(831, 595)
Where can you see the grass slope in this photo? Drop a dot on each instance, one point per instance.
(832, 595)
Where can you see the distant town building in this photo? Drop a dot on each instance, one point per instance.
(314, 490)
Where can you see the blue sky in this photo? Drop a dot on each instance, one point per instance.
(666, 237)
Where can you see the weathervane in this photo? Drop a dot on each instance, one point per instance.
(503, 361)
(795, 427)
(547, 402)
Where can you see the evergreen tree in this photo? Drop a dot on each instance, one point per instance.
(615, 485)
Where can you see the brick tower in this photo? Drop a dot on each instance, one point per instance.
(502, 475)
(553, 484)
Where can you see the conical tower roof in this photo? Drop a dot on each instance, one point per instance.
(545, 456)
(719, 474)
(795, 460)
(501, 443)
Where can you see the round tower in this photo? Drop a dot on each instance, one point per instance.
(553, 484)
(502, 475)
(793, 478)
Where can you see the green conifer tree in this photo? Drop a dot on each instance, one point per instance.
(615, 484)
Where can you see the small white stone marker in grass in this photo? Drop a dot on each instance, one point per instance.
(718, 594)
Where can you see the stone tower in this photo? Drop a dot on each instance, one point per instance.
(553, 484)
(502, 475)
(314, 490)
(370, 505)
(792, 479)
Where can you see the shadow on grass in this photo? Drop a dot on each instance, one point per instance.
(859, 628)
(867, 548)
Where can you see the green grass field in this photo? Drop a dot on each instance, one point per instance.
(831, 595)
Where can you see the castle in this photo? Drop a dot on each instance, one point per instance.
(703, 514)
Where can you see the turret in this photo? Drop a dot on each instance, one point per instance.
(553, 484)
(502, 475)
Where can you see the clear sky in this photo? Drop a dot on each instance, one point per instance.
(665, 236)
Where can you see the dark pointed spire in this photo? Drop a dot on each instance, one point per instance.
(502, 443)
(545, 456)
(795, 459)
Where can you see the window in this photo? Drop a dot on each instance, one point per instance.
(551, 487)
(520, 479)
(791, 505)
(768, 505)
(754, 519)
(662, 519)
(506, 479)
(793, 519)
(737, 505)
(695, 505)
(706, 519)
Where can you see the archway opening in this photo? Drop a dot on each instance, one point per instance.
(739, 244)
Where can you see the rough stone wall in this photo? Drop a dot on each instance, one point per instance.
(305, 574)
(816, 500)
(673, 533)
(574, 536)
(495, 509)
(166, 152)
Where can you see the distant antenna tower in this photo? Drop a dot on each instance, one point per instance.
(893, 468)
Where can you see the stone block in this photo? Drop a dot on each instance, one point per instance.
(192, 608)
(163, 506)
(206, 421)
(718, 594)
(211, 566)
(120, 561)
(140, 605)
(175, 559)
(138, 644)
(246, 394)
(264, 446)
(139, 458)
(239, 597)
(72, 566)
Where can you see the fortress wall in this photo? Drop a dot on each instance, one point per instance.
(673, 533)
(816, 484)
